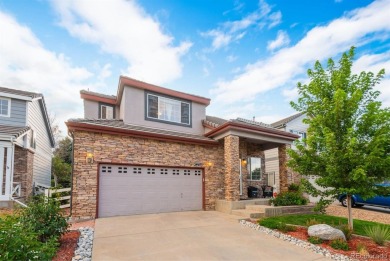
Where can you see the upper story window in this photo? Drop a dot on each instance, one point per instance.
(165, 109)
(300, 133)
(106, 112)
(5, 107)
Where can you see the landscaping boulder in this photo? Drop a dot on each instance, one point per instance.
(325, 232)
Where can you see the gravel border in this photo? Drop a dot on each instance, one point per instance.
(295, 241)
(83, 250)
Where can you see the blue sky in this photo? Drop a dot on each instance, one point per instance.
(247, 56)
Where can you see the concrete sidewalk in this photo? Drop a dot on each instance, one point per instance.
(197, 235)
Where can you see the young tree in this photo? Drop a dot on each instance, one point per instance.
(348, 142)
(61, 163)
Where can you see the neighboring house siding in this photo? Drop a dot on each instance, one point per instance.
(133, 112)
(18, 114)
(43, 151)
(297, 124)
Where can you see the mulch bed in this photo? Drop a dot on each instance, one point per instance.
(68, 244)
(374, 252)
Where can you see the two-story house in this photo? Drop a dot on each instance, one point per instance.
(150, 149)
(26, 143)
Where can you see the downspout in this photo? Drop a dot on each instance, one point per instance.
(240, 178)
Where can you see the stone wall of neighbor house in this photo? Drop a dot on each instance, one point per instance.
(130, 150)
(23, 170)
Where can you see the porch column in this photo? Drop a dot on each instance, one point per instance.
(283, 183)
(232, 168)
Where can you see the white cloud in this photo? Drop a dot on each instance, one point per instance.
(281, 40)
(25, 64)
(231, 58)
(358, 27)
(123, 28)
(275, 19)
(232, 31)
(290, 94)
(374, 63)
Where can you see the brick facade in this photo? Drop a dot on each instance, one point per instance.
(23, 170)
(221, 179)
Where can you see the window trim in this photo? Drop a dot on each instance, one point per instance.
(9, 107)
(147, 118)
(298, 132)
(107, 105)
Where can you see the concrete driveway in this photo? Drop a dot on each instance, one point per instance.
(195, 235)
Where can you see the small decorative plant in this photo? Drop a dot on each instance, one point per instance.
(286, 228)
(315, 240)
(340, 244)
(379, 234)
(312, 222)
(289, 199)
(362, 250)
(346, 230)
(294, 187)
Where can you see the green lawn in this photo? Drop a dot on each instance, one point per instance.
(359, 225)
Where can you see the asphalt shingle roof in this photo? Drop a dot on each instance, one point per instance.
(286, 120)
(13, 130)
(20, 92)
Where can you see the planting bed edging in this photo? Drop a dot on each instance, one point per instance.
(83, 251)
(295, 241)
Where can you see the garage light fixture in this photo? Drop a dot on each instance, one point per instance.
(89, 158)
(243, 162)
(208, 164)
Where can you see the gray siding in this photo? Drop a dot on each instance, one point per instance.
(91, 110)
(43, 152)
(133, 112)
(18, 114)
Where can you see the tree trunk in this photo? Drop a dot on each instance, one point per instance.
(55, 180)
(350, 220)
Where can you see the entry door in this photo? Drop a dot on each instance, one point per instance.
(129, 190)
(6, 163)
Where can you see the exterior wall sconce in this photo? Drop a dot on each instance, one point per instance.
(208, 164)
(89, 158)
(243, 162)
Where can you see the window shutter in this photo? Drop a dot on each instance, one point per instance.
(152, 106)
(185, 113)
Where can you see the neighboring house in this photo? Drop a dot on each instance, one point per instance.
(151, 149)
(26, 143)
(293, 124)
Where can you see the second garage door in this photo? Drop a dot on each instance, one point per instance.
(130, 190)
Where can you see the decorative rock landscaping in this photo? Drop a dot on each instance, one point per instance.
(325, 232)
(83, 251)
(295, 241)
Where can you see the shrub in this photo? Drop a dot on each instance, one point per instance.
(379, 234)
(294, 187)
(20, 242)
(315, 240)
(289, 199)
(340, 244)
(346, 230)
(286, 228)
(43, 216)
(361, 249)
(312, 222)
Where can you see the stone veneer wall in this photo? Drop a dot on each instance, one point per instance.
(130, 150)
(23, 170)
(232, 168)
(283, 172)
(251, 150)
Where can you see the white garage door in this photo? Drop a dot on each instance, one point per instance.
(129, 190)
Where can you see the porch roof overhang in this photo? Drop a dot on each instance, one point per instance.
(258, 134)
(9, 133)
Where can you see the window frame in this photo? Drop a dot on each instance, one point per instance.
(9, 107)
(249, 163)
(147, 118)
(107, 105)
(297, 132)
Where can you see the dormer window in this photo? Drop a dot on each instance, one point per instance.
(106, 112)
(5, 107)
(168, 109)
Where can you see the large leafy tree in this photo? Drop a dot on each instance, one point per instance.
(348, 142)
(61, 163)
